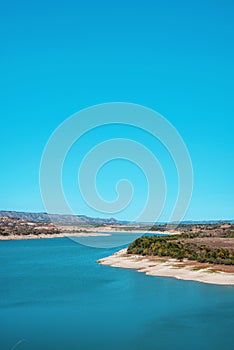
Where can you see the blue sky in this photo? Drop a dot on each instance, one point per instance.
(173, 56)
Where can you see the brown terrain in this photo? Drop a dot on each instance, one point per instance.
(19, 228)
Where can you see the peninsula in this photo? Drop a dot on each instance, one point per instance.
(201, 252)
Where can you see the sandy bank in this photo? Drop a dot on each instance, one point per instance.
(169, 268)
(69, 232)
(58, 235)
(135, 230)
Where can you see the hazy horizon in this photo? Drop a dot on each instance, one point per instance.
(123, 220)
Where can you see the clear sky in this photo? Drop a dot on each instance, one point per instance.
(176, 57)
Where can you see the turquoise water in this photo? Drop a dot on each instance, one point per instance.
(53, 295)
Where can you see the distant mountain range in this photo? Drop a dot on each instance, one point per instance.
(83, 219)
(205, 222)
(58, 219)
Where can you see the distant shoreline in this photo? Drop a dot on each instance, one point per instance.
(100, 231)
(189, 271)
(48, 236)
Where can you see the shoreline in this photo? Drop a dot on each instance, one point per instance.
(86, 233)
(50, 236)
(167, 267)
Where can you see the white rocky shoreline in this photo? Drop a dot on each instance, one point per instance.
(168, 268)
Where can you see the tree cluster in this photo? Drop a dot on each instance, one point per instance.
(174, 248)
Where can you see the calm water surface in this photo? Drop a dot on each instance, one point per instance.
(53, 295)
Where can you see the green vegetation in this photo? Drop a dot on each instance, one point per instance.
(179, 249)
(159, 228)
